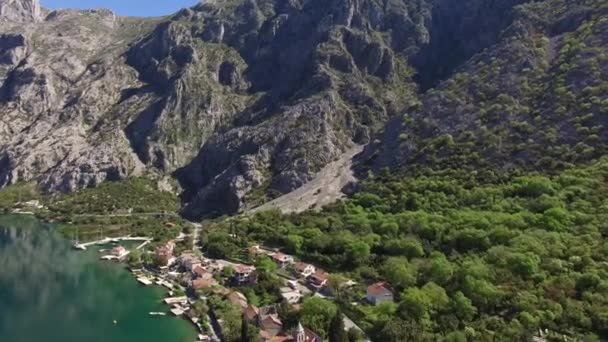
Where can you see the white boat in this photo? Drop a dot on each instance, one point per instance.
(157, 313)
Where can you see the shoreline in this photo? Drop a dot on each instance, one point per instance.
(158, 281)
(175, 306)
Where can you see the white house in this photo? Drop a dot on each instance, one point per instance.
(304, 269)
(379, 293)
(290, 295)
(242, 273)
(282, 259)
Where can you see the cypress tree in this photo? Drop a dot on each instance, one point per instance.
(244, 330)
(336, 329)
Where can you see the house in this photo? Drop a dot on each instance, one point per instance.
(119, 251)
(379, 293)
(164, 254)
(189, 261)
(237, 298)
(269, 321)
(282, 259)
(200, 283)
(290, 295)
(167, 248)
(202, 273)
(243, 273)
(251, 313)
(318, 280)
(303, 269)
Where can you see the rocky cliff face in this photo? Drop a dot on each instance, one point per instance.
(238, 99)
(244, 100)
(20, 10)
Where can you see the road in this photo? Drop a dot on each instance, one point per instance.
(349, 324)
(128, 215)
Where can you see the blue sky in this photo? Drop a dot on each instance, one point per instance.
(142, 8)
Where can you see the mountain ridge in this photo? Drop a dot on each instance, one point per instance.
(242, 101)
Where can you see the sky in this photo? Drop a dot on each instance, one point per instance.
(140, 8)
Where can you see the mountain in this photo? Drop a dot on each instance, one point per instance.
(20, 10)
(242, 101)
(535, 100)
(228, 96)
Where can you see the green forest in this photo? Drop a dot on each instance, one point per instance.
(468, 259)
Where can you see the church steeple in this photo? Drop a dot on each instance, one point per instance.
(300, 334)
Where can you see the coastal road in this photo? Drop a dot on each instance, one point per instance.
(128, 215)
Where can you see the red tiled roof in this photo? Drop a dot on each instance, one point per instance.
(200, 271)
(379, 289)
(271, 320)
(243, 269)
(320, 276)
(251, 312)
(279, 256)
(202, 283)
(237, 298)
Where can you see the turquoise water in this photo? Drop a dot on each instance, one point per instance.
(51, 293)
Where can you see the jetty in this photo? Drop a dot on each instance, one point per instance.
(165, 283)
(104, 241)
(177, 311)
(175, 300)
(144, 281)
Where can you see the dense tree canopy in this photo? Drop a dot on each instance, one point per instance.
(472, 259)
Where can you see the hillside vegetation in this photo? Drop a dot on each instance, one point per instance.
(489, 261)
(537, 100)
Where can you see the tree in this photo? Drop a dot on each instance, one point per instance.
(399, 272)
(266, 266)
(231, 326)
(317, 314)
(455, 336)
(463, 307)
(355, 335)
(134, 258)
(228, 271)
(358, 253)
(201, 309)
(415, 304)
(335, 282)
(337, 333)
(399, 330)
(440, 270)
(293, 243)
(244, 329)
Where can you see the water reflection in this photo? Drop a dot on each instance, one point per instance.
(50, 292)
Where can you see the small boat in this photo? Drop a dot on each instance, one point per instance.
(115, 322)
(157, 313)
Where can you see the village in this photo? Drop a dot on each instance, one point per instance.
(213, 293)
